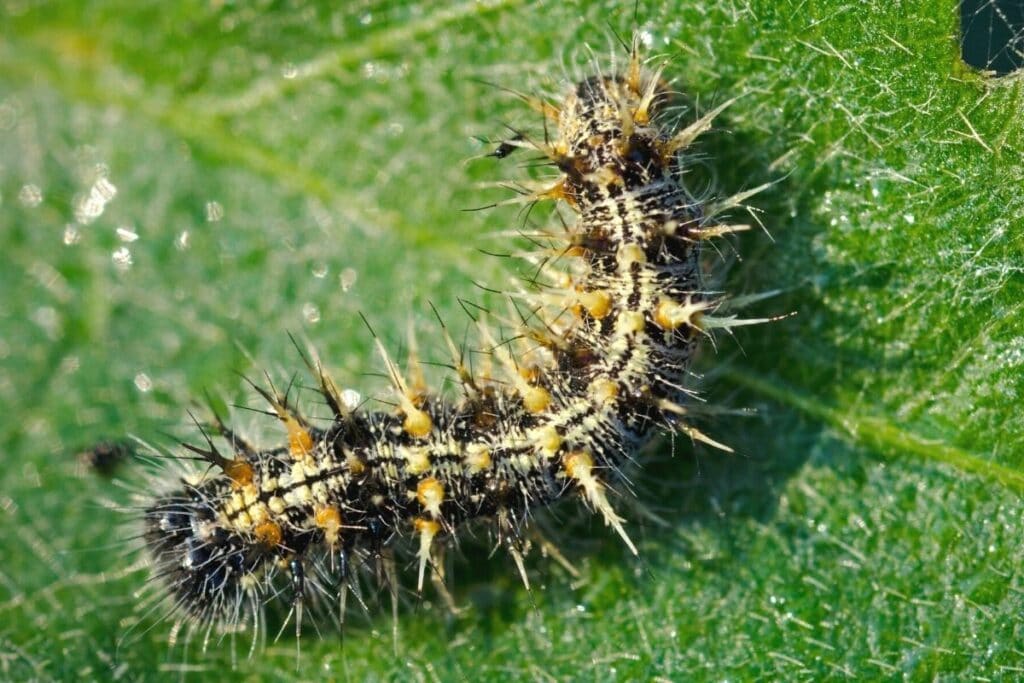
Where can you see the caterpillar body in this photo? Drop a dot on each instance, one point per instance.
(557, 408)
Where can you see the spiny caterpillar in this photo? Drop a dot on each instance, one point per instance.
(599, 366)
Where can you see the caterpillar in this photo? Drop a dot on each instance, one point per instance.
(558, 407)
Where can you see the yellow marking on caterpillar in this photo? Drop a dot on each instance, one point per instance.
(477, 458)
(417, 458)
(670, 315)
(355, 465)
(300, 442)
(579, 466)
(548, 439)
(328, 518)
(629, 254)
(417, 423)
(597, 302)
(536, 399)
(603, 390)
(268, 533)
(258, 513)
(630, 321)
(430, 494)
(239, 472)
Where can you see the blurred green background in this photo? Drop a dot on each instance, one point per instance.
(181, 185)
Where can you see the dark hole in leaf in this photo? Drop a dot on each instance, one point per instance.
(992, 34)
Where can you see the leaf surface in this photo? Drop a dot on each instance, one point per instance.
(181, 186)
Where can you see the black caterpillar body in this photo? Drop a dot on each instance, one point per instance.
(557, 411)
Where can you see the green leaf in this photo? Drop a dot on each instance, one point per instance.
(285, 166)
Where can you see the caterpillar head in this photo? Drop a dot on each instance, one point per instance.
(611, 107)
(608, 141)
